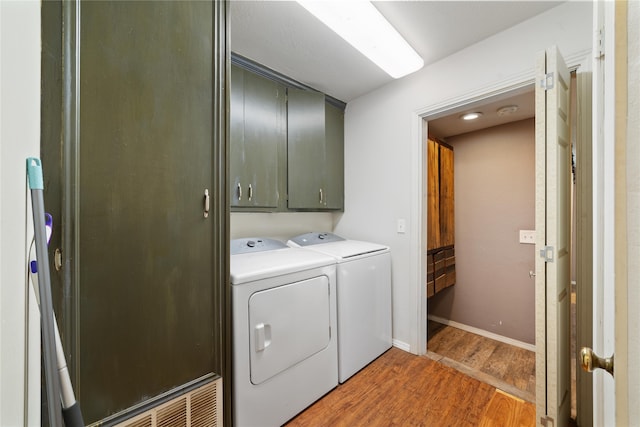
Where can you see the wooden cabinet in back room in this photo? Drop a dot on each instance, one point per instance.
(258, 141)
(441, 271)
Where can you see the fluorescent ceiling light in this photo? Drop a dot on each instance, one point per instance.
(364, 27)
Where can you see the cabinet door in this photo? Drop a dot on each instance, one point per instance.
(237, 150)
(257, 139)
(447, 235)
(306, 150)
(264, 137)
(433, 195)
(334, 143)
(144, 319)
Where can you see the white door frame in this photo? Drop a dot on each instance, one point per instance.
(633, 207)
(603, 208)
(420, 118)
(617, 228)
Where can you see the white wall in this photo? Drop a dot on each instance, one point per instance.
(495, 193)
(380, 172)
(280, 225)
(19, 139)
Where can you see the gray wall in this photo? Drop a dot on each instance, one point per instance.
(494, 199)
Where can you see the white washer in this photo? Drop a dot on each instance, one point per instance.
(284, 330)
(364, 297)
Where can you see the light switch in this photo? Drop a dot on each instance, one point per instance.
(402, 226)
(528, 237)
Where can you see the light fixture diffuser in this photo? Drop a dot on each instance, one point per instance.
(506, 110)
(363, 26)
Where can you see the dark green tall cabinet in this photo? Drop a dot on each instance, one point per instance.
(138, 180)
(258, 140)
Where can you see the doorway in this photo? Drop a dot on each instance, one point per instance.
(430, 119)
(487, 317)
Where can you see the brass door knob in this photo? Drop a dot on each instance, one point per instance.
(591, 361)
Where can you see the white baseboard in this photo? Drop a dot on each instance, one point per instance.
(401, 345)
(482, 332)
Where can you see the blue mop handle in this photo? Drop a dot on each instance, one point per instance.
(36, 184)
(34, 173)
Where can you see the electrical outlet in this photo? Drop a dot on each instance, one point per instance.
(528, 237)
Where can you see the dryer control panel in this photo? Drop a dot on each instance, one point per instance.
(255, 244)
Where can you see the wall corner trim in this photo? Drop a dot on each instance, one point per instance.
(483, 333)
(402, 345)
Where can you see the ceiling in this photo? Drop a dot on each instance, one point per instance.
(286, 38)
(451, 124)
(283, 36)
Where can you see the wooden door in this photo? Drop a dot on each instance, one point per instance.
(143, 139)
(447, 211)
(433, 195)
(553, 293)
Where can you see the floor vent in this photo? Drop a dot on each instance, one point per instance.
(201, 407)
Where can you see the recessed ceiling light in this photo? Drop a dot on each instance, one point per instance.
(505, 111)
(471, 116)
(364, 27)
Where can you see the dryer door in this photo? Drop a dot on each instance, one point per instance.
(288, 324)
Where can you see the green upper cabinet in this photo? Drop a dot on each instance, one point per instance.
(314, 152)
(287, 146)
(334, 160)
(258, 141)
(306, 149)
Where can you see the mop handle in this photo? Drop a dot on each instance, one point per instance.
(71, 412)
(36, 184)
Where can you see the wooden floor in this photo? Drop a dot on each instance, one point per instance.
(507, 367)
(401, 389)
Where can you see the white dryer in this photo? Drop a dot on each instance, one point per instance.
(284, 330)
(364, 297)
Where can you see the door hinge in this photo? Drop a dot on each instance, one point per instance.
(547, 253)
(598, 43)
(547, 82)
(547, 421)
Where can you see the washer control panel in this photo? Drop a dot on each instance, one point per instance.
(315, 238)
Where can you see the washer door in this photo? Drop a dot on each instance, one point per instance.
(288, 324)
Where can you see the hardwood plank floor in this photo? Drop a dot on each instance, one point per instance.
(401, 389)
(507, 367)
(506, 410)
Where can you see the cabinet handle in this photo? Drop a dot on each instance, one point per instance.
(239, 192)
(206, 202)
(321, 196)
(250, 192)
